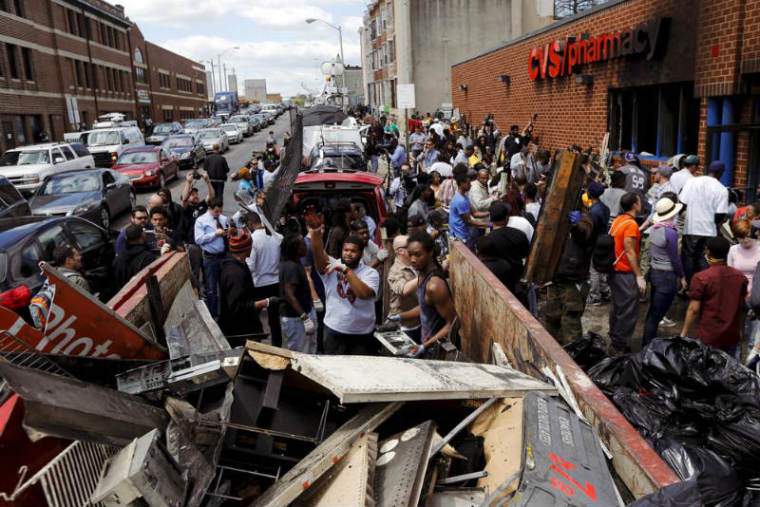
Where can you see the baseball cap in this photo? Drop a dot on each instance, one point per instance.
(716, 166)
(691, 160)
(664, 170)
(631, 157)
(595, 189)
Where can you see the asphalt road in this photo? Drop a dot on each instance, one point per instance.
(236, 157)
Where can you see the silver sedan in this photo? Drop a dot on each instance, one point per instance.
(234, 132)
(214, 138)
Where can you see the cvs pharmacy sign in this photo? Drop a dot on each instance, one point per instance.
(564, 57)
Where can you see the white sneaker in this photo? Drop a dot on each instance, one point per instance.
(666, 322)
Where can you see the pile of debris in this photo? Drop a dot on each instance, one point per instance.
(182, 418)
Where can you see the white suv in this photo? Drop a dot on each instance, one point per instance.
(26, 167)
(108, 143)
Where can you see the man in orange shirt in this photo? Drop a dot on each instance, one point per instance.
(626, 281)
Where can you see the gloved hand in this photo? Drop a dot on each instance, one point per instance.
(382, 255)
(318, 305)
(309, 327)
(642, 284)
(574, 217)
(394, 317)
(417, 353)
(335, 266)
(165, 248)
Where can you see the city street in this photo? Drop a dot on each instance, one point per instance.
(236, 157)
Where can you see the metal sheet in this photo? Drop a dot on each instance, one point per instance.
(302, 476)
(563, 462)
(358, 379)
(470, 497)
(350, 483)
(401, 466)
(75, 410)
(395, 342)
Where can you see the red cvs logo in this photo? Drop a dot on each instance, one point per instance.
(561, 466)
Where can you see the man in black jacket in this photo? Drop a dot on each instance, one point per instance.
(239, 311)
(217, 169)
(566, 296)
(136, 256)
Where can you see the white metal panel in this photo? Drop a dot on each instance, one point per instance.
(359, 379)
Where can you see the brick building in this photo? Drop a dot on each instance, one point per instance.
(168, 87)
(65, 62)
(61, 62)
(662, 77)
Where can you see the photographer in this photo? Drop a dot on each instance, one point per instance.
(401, 186)
(429, 156)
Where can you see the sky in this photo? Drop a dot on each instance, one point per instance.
(275, 41)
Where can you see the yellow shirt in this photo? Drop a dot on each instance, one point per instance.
(473, 160)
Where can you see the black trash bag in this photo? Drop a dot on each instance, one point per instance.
(718, 484)
(644, 411)
(736, 432)
(680, 494)
(588, 350)
(614, 372)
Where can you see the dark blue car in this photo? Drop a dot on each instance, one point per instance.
(188, 149)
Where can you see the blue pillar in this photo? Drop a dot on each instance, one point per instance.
(713, 119)
(727, 143)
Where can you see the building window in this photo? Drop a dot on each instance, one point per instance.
(392, 50)
(139, 56)
(19, 5)
(372, 30)
(82, 23)
(184, 85)
(200, 88)
(168, 115)
(164, 80)
(26, 54)
(140, 74)
(661, 120)
(71, 18)
(12, 61)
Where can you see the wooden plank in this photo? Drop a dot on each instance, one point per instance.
(553, 228)
(172, 271)
(75, 410)
(489, 313)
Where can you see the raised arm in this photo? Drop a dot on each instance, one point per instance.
(321, 260)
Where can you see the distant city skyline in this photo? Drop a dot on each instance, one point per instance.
(275, 41)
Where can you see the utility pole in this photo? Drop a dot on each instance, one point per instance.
(225, 85)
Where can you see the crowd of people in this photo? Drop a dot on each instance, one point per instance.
(636, 236)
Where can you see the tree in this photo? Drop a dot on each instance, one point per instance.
(565, 8)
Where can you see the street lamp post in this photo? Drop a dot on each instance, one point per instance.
(219, 65)
(340, 40)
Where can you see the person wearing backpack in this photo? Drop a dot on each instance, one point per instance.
(626, 281)
(600, 216)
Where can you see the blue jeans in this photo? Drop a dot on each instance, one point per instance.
(664, 285)
(373, 159)
(295, 334)
(212, 268)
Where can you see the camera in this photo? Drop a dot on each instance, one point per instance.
(196, 175)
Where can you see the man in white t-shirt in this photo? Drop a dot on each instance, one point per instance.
(679, 178)
(350, 289)
(706, 201)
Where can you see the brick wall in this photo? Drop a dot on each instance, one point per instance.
(571, 113)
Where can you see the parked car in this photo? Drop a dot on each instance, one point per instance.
(107, 144)
(188, 150)
(26, 167)
(12, 203)
(234, 133)
(193, 126)
(255, 122)
(243, 122)
(25, 241)
(95, 194)
(338, 156)
(148, 166)
(215, 121)
(265, 119)
(325, 187)
(162, 131)
(214, 137)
